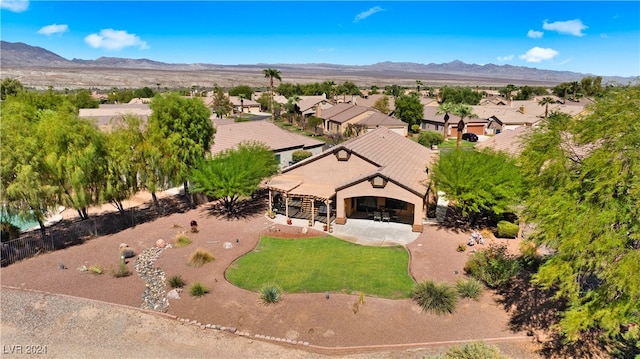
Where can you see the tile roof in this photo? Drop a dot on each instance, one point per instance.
(230, 135)
(508, 141)
(397, 158)
(379, 119)
(106, 112)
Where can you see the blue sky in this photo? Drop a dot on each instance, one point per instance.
(601, 38)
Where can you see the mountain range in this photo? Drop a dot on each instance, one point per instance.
(16, 55)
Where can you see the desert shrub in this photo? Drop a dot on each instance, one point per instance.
(96, 269)
(434, 297)
(270, 293)
(9, 231)
(475, 350)
(430, 138)
(198, 289)
(469, 288)
(300, 155)
(176, 281)
(507, 229)
(461, 247)
(493, 266)
(200, 257)
(182, 240)
(529, 255)
(121, 270)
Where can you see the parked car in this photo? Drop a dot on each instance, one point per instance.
(471, 137)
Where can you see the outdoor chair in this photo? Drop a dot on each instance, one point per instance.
(386, 216)
(377, 216)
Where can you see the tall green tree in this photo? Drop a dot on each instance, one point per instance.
(182, 129)
(75, 152)
(410, 110)
(26, 189)
(245, 90)
(235, 174)
(584, 190)
(478, 182)
(221, 105)
(272, 74)
(10, 87)
(463, 111)
(124, 160)
(445, 109)
(545, 101)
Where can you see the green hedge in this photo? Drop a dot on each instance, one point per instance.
(507, 230)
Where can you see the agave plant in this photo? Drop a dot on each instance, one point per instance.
(270, 293)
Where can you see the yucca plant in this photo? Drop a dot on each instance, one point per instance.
(176, 281)
(182, 240)
(200, 257)
(270, 293)
(434, 297)
(469, 288)
(198, 289)
(96, 269)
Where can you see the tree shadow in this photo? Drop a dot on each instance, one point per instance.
(69, 233)
(535, 311)
(456, 222)
(241, 210)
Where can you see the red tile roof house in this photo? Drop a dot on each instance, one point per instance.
(379, 170)
(283, 143)
(337, 118)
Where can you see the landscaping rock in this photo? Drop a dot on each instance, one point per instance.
(153, 297)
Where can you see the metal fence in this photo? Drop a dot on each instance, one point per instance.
(25, 247)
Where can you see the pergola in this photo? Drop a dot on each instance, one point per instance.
(291, 186)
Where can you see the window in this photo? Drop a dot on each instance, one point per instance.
(394, 204)
(278, 158)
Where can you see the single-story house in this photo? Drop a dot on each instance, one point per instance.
(380, 172)
(337, 119)
(508, 141)
(283, 143)
(245, 105)
(105, 112)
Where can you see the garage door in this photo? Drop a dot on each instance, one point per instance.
(477, 129)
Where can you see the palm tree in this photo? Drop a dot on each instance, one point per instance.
(575, 86)
(509, 89)
(545, 101)
(272, 74)
(445, 109)
(242, 97)
(463, 111)
(418, 84)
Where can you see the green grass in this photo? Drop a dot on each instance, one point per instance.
(451, 143)
(316, 265)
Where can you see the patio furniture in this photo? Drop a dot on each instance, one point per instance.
(369, 214)
(377, 216)
(386, 216)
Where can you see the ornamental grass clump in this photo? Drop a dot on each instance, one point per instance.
(469, 288)
(475, 350)
(198, 289)
(270, 293)
(176, 281)
(182, 240)
(200, 257)
(435, 298)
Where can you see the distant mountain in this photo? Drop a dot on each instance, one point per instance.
(19, 55)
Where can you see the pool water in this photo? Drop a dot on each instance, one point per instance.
(22, 224)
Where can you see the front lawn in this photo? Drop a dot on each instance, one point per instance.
(452, 143)
(324, 264)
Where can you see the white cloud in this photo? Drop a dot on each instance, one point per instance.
(535, 34)
(111, 39)
(570, 27)
(53, 29)
(505, 58)
(14, 5)
(365, 14)
(538, 54)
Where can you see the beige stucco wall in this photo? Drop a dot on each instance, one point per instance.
(391, 190)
